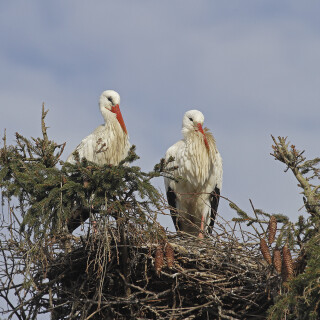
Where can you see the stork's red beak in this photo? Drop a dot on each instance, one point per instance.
(115, 109)
(204, 136)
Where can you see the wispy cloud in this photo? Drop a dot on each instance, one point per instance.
(251, 68)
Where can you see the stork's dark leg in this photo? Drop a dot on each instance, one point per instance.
(172, 198)
(214, 201)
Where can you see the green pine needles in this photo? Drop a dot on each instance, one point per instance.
(56, 197)
(300, 296)
(108, 271)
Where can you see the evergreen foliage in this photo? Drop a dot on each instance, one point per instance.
(54, 198)
(300, 297)
(48, 195)
(109, 271)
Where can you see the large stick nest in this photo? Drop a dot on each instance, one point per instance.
(117, 273)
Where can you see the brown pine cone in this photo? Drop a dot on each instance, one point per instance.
(265, 251)
(169, 253)
(287, 264)
(277, 263)
(158, 264)
(272, 229)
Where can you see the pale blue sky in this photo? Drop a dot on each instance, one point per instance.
(251, 67)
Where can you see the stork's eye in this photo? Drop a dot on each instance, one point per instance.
(190, 119)
(110, 99)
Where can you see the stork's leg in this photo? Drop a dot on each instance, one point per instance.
(201, 234)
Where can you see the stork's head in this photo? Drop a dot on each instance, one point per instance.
(109, 107)
(192, 122)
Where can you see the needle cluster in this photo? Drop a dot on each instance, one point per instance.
(82, 241)
(295, 253)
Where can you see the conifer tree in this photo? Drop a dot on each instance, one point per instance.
(300, 297)
(82, 241)
(48, 199)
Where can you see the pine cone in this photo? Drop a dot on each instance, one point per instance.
(287, 265)
(265, 251)
(169, 253)
(277, 263)
(272, 229)
(158, 264)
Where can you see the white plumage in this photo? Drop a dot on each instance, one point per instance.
(108, 143)
(196, 195)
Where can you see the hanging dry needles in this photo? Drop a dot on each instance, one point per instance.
(272, 229)
(265, 251)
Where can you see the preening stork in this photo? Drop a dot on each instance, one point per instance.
(108, 143)
(199, 164)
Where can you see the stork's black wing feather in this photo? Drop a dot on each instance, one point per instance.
(171, 196)
(214, 201)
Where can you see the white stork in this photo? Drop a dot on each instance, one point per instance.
(196, 196)
(108, 143)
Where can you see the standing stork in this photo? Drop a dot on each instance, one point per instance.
(194, 197)
(108, 143)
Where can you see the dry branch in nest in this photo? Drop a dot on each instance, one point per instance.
(181, 277)
(127, 266)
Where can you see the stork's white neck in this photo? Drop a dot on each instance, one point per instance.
(117, 142)
(108, 116)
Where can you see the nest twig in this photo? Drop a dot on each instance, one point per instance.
(209, 279)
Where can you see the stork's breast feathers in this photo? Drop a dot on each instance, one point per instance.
(103, 146)
(195, 165)
(202, 161)
(115, 144)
